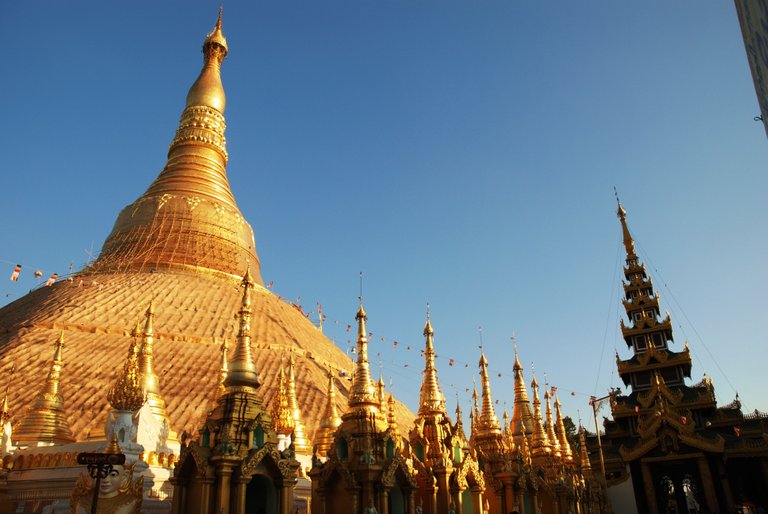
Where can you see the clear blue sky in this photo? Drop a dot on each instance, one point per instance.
(461, 153)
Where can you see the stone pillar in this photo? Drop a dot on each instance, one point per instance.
(177, 505)
(224, 472)
(383, 501)
(650, 491)
(442, 492)
(285, 494)
(205, 493)
(477, 500)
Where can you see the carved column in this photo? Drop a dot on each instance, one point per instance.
(205, 493)
(383, 500)
(442, 492)
(238, 499)
(650, 491)
(477, 500)
(224, 472)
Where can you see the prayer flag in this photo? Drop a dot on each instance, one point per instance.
(15, 274)
(394, 345)
(684, 419)
(38, 273)
(51, 280)
(451, 362)
(271, 283)
(738, 431)
(349, 327)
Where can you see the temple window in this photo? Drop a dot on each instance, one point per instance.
(418, 449)
(257, 438)
(390, 448)
(641, 380)
(639, 343)
(342, 449)
(206, 438)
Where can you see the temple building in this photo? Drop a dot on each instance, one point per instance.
(365, 470)
(669, 445)
(237, 465)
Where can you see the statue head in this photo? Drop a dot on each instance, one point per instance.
(118, 481)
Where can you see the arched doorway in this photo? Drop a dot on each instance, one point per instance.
(396, 501)
(260, 496)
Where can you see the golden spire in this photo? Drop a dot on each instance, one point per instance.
(539, 443)
(329, 422)
(488, 422)
(431, 399)
(586, 466)
(629, 243)
(127, 393)
(242, 370)
(525, 449)
(562, 436)
(474, 414)
(522, 418)
(362, 394)
(300, 440)
(281, 412)
(114, 446)
(46, 421)
(188, 218)
(149, 380)
(5, 412)
(380, 389)
(553, 441)
(391, 416)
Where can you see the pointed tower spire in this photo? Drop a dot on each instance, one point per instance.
(362, 395)
(46, 421)
(586, 466)
(474, 414)
(329, 422)
(300, 440)
(488, 422)
(562, 436)
(553, 441)
(149, 380)
(127, 393)
(188, 218)
(242, 370)
(629, 243)
(539, 443)
(431, 399)
(522, 417)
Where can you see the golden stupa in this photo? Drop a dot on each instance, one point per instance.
(183, 245)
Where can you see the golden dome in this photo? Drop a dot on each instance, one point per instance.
(183, 244)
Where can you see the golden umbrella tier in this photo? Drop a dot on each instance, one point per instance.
(194, 313)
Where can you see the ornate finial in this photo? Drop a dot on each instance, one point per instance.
(114, 447)
(242, 369)
(562, 436)
(431, 399)
(586, 466)
(127, 394)
(300, 439)
(224, 369)
(391, 417)
(522, 418)
(330, 420)
(282, 417)
(207, 89)
(46, 421)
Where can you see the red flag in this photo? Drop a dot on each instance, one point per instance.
(15, 274)
(271, 283)
(684, 419)
(394, 345)
(738, 431)
(451, 362)
(51, 280)
(637, 408)
(349, 327)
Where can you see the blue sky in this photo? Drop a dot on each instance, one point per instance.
(459, 153)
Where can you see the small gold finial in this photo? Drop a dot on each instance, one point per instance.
(300, 439)
(562, 436)
(207, 90)
(539, 441)
(114, 447)
(629, 243)
(242, 369)
(330, 420)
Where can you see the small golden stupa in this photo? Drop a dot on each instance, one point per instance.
(184, 246)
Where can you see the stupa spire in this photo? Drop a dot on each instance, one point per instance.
(522, 418)
(46, 421)
(551, 436)
(488, 422)
(363, 393)
(330, 420)
(431, 399)
(562, 436)
(539, 443)
(586, 466)
(391, 415)
(300, 439)
(242, 370)
(224, 368)
(150, 382)
(188, 218)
